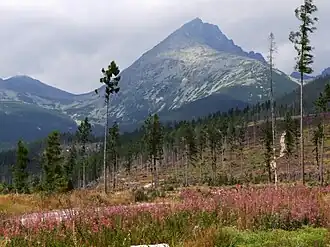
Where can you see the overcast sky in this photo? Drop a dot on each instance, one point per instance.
(64, 43)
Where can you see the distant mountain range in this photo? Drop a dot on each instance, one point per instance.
(296, 75)
(195, 71)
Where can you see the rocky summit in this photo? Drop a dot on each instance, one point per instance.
(193, 63)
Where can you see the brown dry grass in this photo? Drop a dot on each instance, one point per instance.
(18, 204)
(205, 238)
(3, 243)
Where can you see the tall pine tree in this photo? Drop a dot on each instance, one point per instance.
(304, 59)
(110, 79)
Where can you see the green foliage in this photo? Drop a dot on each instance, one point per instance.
(301, 39)
(20, 175)
(36, 184)
(147, 195)
(5, 188)
(70, 165)
(110, 79)
(84, 136)
(54, 178)
(153, 137)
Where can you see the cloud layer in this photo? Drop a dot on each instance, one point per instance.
(65, 43)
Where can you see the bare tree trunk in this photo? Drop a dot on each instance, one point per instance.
(322, 155)
(271, 50)
(302, 164)
(105, 149)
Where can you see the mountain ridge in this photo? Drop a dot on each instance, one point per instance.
(195, 62)
(296, 75)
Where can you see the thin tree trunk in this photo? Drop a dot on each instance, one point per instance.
(105, 149)
(302, 164)
(322, 155)
(272, 48)
(84, 173)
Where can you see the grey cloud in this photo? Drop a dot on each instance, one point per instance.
(65, 43)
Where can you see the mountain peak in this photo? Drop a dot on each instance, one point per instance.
(197, 20)
(198, 29)
(196, 33)
(24, 84)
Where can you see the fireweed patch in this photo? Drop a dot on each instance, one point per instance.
(256, 208)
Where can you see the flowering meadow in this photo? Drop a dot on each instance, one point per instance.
(192, 214)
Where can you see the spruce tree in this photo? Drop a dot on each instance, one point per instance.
(84, 135)
(110, 79)
(153, 137)
(69, 167)
(54, 178)
(20, 174)
(304, 59)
